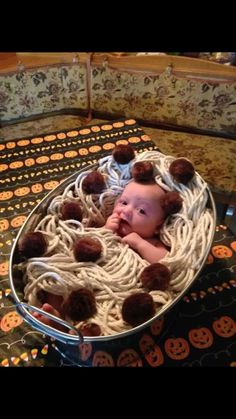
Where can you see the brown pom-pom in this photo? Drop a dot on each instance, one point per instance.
(93, 183)
(32, 244)
(171, 202)
(138, 308)
(90, 329)
(71, 211)
(123, 153)
(182, 170)
(155, 277)
(80, 305)
(87, 250)
(142, 171)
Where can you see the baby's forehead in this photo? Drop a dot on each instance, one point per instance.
(143, 189)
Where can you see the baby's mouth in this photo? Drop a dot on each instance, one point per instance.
(124, 228)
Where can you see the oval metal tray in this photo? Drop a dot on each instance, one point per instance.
(24, 309)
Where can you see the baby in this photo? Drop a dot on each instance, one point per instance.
(137, 218)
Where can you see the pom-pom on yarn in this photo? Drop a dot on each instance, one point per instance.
(138, 308)
(71, 211)
(32, 244)
(80, 305)
(123, 153)
(142, 171)
(155, 277)
(171, 202)
(87, 250)
(93, 183)
(182, 170)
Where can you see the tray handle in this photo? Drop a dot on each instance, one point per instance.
(75, 339)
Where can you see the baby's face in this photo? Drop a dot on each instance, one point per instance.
(139, 209)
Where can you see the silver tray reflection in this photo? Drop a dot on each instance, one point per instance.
(17, 287)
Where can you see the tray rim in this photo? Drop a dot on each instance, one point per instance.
(66, 337)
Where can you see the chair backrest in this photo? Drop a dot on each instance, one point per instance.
(176, 91)
(37, 84)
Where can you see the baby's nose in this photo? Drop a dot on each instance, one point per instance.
(127, 212)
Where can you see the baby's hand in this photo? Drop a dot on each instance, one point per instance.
(133, 240)
(113, 222)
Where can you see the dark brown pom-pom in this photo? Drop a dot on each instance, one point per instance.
(142, 171)
(87, 250)
(182, 170)
(90, 329)
(93, 183)
(71, 211)
(32, 244)
(138, 308)
(171, 202)
(155, 277)
(123, 153)
(80, 305)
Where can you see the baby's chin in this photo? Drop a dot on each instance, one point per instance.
(124, 228)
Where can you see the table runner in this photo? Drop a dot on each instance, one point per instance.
(199, 330)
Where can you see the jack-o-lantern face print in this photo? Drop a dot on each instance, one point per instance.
(51, 184)
(29, 162)
(151, 351)
(224, 327)
(16, 164)
(84, 131)
(102, 359)
(221, 252)
(18, 221)
(4, 268)
(129, 358)
(157, 326)
(25, 190)
(10, 321)
(37, 188)
(49, 138)
(106, 127)
(118, 124)
(177, 348)
(233, 245)
(4, 224)
(130, 122)
(108, 146)
(210, 259)
(95, 128)
(85, 350)
(6, 195)
(201, 338)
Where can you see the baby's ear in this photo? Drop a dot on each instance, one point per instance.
(171, 202)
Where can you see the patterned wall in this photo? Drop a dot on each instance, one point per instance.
(42, 90)
(165, 98)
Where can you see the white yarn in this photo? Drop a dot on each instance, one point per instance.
(116, 274)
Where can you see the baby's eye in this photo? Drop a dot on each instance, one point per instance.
(141, 211)
(123, 202)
